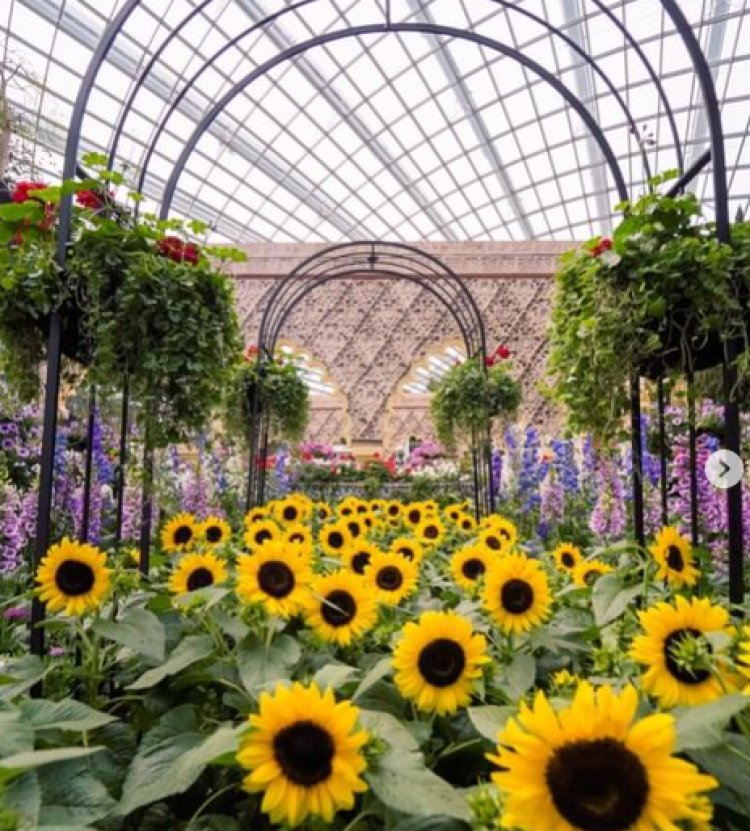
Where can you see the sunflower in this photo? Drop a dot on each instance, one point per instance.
(276, 576)
(453, 512)
(255, 515)
(334, 538)
(377, 506)
(592, 767)
(196, 571)
(430, 531)
(674, 556)
(743, 659)
(414, 513)
(506, 531)
(356, 526)
(588, 572)
(682, 669)
(567, 557)
(305, 752)
(393, 576)
(260, 533)
(358, 555)
(290, 511)
(347, 507)
(394, 511)
(323, 511)
(466, 523)
(73, 577)
(180, 533)
(438, 660)
(469, 565)
(409, 548)
(430, 506)
(215, 531)
(340, 607)
(491, 539)
(516, 593)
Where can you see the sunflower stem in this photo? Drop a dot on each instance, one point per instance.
(360, 816)
(212, 798)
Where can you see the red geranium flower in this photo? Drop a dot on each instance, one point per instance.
(89, 199)
(251, 351)
(489, 360)
(22, 189)
(191, 253)
(604, 244)
(502, 352)
(178, 251)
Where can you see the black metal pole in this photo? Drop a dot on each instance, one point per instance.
(690, 174)
(123, 461)
(46, 479)
(692, 459)
(734, 494)
(637, 452)
(663, 472)
(147, 504)
(88, 466)
(266, 429)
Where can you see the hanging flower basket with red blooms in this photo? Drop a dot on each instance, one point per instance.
(137, 299)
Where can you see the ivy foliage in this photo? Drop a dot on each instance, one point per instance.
(283, 394)
(469, 396)
(129, 306)
(661, 296)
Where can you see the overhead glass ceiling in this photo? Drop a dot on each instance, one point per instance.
(387, 135)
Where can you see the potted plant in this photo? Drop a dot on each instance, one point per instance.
(136, 299)
(660, 296)
(471, 394)
(282, 393)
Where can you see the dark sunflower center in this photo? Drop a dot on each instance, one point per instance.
(590, 576)
(414, 517)
(297, 537)
(675, 559)
(183, 534)
(466, 524)
(289, 513)
(360, 562)
(516, 596)
(493, 543)
(354, 528)
(473, 568)
(441, 662)
(214, 533)
(74, 578)
(504, 534)
(393, 510)
(262, 536)
(684, 674)
(568, 560)
(362, 509)
(404, 551)
(339, 609)
(454, 515)
(431, 532)
(389, 578)
(276, 578)
(598, 785)
(199, 579)
(346, 511)
(336, 539)
(304, 751)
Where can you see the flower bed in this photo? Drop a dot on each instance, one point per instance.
(377, 665)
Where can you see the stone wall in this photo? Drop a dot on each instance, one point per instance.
(368, 331)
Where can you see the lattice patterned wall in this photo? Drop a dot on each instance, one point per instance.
(369, 331)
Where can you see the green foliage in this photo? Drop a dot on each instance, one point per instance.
(469, 396)
(283, 394)
(664, 290)
(168, 324)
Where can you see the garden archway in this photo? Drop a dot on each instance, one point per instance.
(376, 260)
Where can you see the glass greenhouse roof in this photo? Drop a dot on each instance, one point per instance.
(401, 135)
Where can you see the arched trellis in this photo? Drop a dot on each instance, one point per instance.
(370, 260)
(703, 73)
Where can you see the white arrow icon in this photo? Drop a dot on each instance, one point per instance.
(724, 469)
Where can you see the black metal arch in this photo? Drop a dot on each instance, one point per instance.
(259, 25)
(375, 260)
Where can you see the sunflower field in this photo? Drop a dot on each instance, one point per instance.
(377, 665)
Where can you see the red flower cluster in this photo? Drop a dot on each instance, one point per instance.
(251, 351)
(89, 199)
(178, 251)
(604, 244)
(22, 190)
(502, 353)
